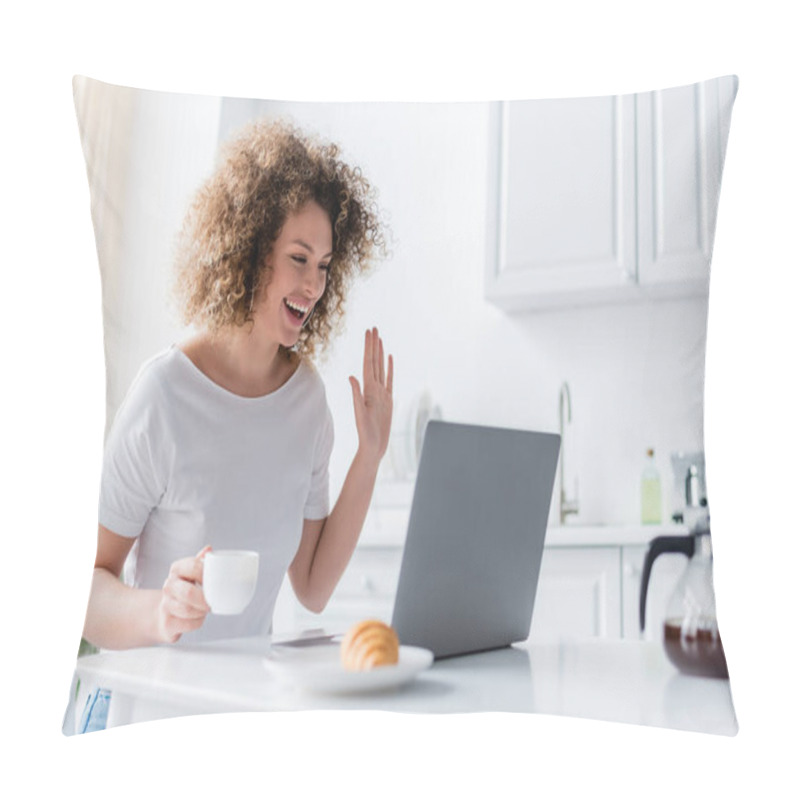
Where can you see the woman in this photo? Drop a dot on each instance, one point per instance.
(223, 441)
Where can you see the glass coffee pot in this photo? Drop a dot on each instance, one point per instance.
(690, 634)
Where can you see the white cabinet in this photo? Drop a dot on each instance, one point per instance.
(561, 198)
(605, 199)
(595, 591)
(578, 593)
(680, 147)
(584, 591)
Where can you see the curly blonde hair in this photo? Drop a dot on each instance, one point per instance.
(267, 172)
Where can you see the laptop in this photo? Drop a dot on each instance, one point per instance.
(475, 538)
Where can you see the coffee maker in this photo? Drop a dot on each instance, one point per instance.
(690, 632)
(689, 500)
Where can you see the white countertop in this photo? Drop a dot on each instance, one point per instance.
(387, 523)
(386, 527)
(609, 535)
(610, 680)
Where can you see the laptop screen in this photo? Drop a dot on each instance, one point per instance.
(475, 537)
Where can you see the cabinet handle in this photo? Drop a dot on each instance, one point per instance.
(631, 571)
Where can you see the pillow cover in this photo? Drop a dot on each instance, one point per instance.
(558, 253)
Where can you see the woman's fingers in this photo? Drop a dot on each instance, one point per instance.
(381, 376)
(367, 357)
(183, 611)
(357, 399)
(374, 359)
(372, 401)
(183, 586)
(376, 355)
(188, 595)
(183, 606)
(187, 569)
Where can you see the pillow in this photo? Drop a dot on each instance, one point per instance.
(547, 267)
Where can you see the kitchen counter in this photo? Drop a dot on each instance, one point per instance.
(615, 681)
(609, 535)
(388, 528)
(387, 523)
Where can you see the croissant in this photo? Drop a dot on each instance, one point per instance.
(369, 643)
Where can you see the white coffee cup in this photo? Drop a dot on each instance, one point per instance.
(229, 579)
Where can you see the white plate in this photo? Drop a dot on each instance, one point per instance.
(318, 669)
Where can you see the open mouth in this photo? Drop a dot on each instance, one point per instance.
(299, 312)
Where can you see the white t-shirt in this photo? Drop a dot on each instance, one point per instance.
(187, 463)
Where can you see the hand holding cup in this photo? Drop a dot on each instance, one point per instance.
(182, 607)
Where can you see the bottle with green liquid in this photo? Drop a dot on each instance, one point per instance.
(651, 491)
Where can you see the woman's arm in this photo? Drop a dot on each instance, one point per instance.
(327, 545)
(119, 616)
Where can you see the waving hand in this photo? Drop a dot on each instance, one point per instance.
(373, 405)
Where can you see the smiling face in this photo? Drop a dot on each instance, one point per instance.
(299, 260)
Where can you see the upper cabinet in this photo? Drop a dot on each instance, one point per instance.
(605, 199)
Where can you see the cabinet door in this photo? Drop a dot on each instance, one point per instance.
(578, 594)
(562, 211)
(680, 141)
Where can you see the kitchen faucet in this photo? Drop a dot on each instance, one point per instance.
(566, 507)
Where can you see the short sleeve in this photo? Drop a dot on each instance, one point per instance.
(318, 502)
(133, 476)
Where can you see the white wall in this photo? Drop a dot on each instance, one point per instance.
(635, 372)
(146, 154)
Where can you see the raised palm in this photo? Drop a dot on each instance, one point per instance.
(373, 405)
